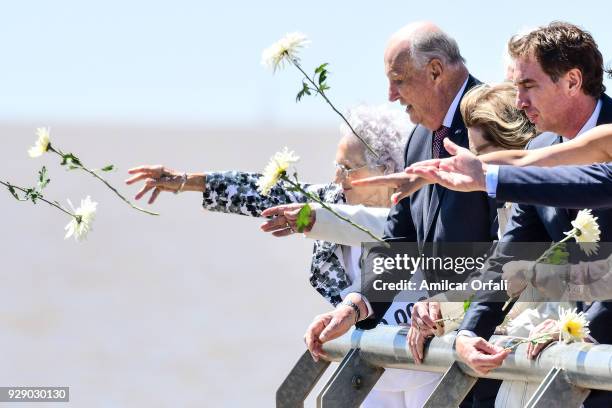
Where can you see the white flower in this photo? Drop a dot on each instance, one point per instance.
(573, 326)
(586, 232)
(283, 50)
(277, 167)
(42, 143)
(80, 225)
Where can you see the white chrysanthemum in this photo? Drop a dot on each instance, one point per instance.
(277, 166)
(283, 50)
(573, 325)
(81, 226)
(42, 143)
(587, 232)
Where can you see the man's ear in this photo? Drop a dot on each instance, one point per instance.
(573, 79)
(435, 69)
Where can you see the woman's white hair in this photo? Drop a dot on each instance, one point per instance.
(384, 129)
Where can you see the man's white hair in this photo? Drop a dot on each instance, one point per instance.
(428, 45)
(384, 129)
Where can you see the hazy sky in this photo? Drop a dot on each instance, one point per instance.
(185, 61)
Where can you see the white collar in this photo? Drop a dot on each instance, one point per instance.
(448, 119)
(592, 122)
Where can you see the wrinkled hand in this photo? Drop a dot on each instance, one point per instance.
(462, 172)
(404, 184)
(547, 326)
(479, 354)
(326, 327)
(515, 273)
(284, 219)
(157, 178)
(424, 325)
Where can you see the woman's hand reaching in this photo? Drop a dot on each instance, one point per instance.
(284, 219)
(159, 178)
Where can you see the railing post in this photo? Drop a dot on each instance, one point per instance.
(350, 383)
(556, 391)
(452, 388)
(300, 381)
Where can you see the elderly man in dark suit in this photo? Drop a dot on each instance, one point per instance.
(426, 74)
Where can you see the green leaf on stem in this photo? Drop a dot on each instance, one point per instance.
(321, 72)
(545, 338)
(322, 78)
(43, 178)
(321, 68)
(11, 189)
(303, 218)
(32, 194)
(467, 303)
(304, 91)
(71, 160)
(558, 255)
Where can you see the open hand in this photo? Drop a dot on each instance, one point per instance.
(404, 184)
(157, 178)
(284, 219)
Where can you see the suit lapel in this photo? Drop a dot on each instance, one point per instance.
(419, 149)
(557, 219)
(458, 135)
(605, 116)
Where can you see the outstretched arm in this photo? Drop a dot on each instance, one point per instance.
(326, 226)
(594, 146)
(229, 191)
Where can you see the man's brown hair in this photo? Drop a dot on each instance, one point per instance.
(560, 47)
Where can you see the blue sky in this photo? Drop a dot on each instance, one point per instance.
(187, 61)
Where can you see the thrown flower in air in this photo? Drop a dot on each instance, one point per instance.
(285, 49)
(72, 162)
(573, 325)
(275, 169)
(42, 143)
(80, 225)
(586, 232)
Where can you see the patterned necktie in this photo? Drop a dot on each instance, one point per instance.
(438, 137)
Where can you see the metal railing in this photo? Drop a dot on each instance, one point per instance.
(566, 373)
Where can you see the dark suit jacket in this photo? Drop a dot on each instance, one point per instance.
(563, 186)
(434, 213)
(536, 223)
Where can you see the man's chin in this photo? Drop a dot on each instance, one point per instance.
(415, 119)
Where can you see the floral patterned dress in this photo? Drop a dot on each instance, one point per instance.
(235, 192)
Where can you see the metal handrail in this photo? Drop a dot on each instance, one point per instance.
(566, 372)
(586, 365)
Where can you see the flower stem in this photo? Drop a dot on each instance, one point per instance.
(93, 173)
(328, 208)
(542, 257)
(322, 93)
(448, 319)
(530, 339)
(39, 197)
